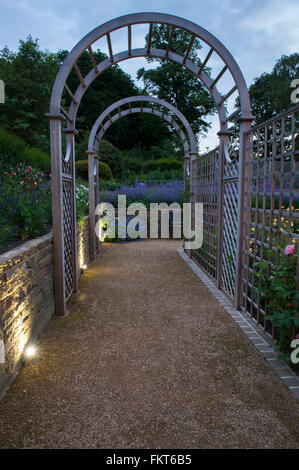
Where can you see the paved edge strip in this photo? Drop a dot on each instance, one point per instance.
(263, 344)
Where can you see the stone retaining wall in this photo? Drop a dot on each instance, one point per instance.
(27, 297)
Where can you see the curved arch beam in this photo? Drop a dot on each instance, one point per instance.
(144, 18)
(127, 112)
(158, 53)
(93, 178)
(148, 99)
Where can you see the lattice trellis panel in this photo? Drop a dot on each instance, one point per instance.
(271, 204)
(68, 227)
(229, 236)
(207, 171)
(229, 214)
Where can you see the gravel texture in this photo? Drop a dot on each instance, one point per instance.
(146, 358)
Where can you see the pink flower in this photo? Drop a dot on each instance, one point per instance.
(297, 336)
(289, 249)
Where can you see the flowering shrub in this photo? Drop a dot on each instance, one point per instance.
(25, 203)
(146, 193)
(82, 201)
(278, 287)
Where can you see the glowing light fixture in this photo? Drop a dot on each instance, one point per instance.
(30, 351)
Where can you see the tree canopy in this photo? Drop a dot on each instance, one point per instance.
(270, 93)
(29, 76)
(175, 84)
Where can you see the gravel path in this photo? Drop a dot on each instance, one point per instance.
(146, 358)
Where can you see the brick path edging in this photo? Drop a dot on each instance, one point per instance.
(261, 342)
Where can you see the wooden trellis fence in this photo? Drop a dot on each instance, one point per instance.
(263, 216)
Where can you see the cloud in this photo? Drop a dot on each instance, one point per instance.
(256, 33)
(277, 21)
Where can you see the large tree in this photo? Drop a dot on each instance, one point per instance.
(176, 84)
(270, 93)
(112, 85)
(28, 75)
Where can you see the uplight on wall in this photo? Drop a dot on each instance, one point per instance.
(30, 351)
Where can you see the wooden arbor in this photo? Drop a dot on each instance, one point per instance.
(141, 104)
(63, 175)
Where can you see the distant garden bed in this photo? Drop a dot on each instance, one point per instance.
(25, 205)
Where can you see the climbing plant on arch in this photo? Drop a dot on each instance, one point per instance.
(63, 178)
(123, 108)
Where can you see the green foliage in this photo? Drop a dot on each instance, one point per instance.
(167, 149)
(25, 203)
(164, 164)
(133, 164)
(105, 172)
(278, 287)
(82, 169)
(156, 176)
(82, 145)
(37, 158)
(29, 75)
(109, 154)
(13, 149)
(270, 94)
(82, 201)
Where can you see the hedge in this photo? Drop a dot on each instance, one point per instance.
(13, 150)
(105, 172)
(163, 164)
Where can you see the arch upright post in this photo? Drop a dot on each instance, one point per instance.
(93, 185)
(57, 212)
(244, 158)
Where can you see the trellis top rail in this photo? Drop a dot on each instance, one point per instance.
(127, 21)
(138, 110)
(141, 99)
(281, 115)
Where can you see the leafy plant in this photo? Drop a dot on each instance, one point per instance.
(105, 172)
(278, 288)
(163, 164)
(82, 201)
(110, 155)
(25, 203)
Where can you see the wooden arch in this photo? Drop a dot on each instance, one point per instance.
(63, 174)
(123, 108)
